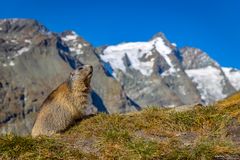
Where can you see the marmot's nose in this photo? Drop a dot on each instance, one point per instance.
(89, 66)
(85, 66)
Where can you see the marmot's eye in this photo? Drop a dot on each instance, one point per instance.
(79, 68)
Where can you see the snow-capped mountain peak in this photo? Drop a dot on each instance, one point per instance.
(175, 66)
(139, 54)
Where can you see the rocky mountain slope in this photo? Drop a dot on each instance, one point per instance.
(34, 61)
(108, 95)
(30, 69)
(127, 77)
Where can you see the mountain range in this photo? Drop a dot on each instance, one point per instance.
(127, 76)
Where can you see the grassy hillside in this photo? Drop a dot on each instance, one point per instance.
(211, 132)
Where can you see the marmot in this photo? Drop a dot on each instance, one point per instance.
(65, 104)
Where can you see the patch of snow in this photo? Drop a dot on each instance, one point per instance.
(149, 54)
(79, 46)
(72, 41)
(114, 55)
(165, 52)
(174, 44)
(234, 76)
(14, 41)
(135, 51)
(209, 82)
(1, 29)
(70, 37)
(21, 51)
(161, 47)
(28, 41)
(170, 106)
(77, 51)
(11, 63)
(72, 49)
(182, 90)
(4, 65)
(171, 71)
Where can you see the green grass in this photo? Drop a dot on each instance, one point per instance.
(13, 147)
(154, 133)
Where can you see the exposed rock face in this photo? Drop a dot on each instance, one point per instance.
(127, 77)
(33, 62)
(30, 68)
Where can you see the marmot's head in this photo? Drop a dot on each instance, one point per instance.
(80, 78)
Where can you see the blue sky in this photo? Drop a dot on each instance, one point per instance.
(212, 25)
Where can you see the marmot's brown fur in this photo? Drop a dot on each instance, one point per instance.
(65, 104)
